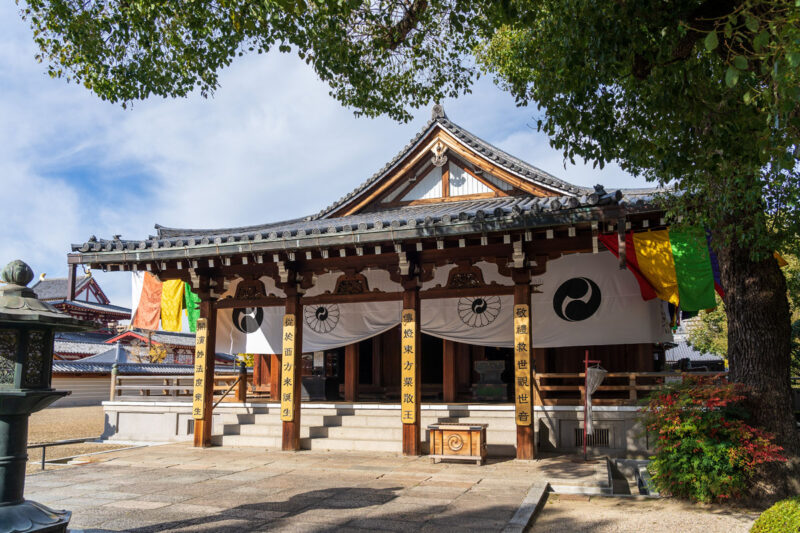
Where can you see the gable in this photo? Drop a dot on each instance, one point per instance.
(454, 180)
(441, 167)
(430, 187)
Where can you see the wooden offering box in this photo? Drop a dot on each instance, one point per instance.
(458, 441)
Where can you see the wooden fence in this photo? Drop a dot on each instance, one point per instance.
(159, 388)
(618, 388)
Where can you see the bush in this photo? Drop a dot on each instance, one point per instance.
(705, 451)
(783, 517)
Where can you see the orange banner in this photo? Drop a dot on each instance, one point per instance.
(149, 311)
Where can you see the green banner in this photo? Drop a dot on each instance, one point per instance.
(693, 269)
(192, 305)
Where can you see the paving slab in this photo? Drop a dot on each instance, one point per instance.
(179, 488)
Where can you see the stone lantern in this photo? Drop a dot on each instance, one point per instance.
(26, 361)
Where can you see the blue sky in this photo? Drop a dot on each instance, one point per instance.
(271, 144)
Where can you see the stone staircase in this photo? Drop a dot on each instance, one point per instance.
(343, 427)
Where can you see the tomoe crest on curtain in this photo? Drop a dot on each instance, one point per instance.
(322, 318)
(248, 319)
(480, 311)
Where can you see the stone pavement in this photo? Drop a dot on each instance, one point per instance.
(179, 488)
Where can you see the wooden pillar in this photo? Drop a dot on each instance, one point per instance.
(204, 369)
(523, 376)
(351, 355)
(241, 387)
(275, 377)
(71, 282)
(291, 364)
(449, 381)
(644, 357)
(410, 386)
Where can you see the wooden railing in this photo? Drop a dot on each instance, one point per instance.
(618, 388)
(137, 388)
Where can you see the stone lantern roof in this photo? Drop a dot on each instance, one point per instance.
(19, 304)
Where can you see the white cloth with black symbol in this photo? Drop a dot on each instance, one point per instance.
(325, 326)
(583, 300)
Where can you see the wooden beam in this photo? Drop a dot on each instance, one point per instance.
(411, 362)
(351, 354)
(449, 382)
(202, 427)
(424, 201)
(290, 371)
(446, 180)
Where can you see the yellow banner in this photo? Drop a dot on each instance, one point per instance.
(408, 388)
(522, 365)
(287, 369)
(200, 368)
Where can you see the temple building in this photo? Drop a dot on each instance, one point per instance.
(458, 283)
(82, 298)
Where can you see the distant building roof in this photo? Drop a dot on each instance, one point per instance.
(684, 351)
(82, 342)
(123, 312)
(84, 366)
(127, 356)
(161, 337)
(57, 288)
(110, 355)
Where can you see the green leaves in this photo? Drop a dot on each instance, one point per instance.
(711, 41)
(731, 76)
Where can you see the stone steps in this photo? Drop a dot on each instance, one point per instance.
(349, 429)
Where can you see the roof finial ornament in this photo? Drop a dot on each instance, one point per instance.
(437, 112)
(438, 150)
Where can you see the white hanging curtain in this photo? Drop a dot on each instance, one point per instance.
(325, 326)
(594, 377)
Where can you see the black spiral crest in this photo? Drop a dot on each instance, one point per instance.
(248, 319)
(322, 318)
(479, 311)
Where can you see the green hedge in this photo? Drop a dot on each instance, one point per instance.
(783, 517)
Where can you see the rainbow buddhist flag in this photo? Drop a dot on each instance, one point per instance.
(675, 266)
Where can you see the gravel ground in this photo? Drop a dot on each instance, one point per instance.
(61, 423)
(563, 513)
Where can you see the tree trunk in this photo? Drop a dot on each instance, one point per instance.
(759, 341)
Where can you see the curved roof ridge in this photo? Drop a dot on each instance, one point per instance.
(541, 177)
(166, 233)
(482, 148)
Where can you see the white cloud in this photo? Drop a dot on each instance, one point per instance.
(270, 145)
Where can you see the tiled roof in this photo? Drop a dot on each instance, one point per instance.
(162, 337)
(684, 351)
(84, 366)
(422, 220)
(78, 347)
(57, 288)
(98, 337)
(93, 306)
(397, 223)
